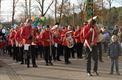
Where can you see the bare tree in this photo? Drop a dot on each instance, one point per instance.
(26, 9)
(0, 5)
(61, 10)
(109, 13)
(110, 4)
(80, 4)
(29, 8)
(41, 6)
(13, 11)
(55, 11)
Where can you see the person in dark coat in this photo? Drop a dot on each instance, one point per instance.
(114, 51)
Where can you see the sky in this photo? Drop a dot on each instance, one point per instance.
(6, 8)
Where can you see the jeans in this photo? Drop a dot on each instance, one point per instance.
(114, 61)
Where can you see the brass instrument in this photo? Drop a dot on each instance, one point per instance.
(69, 40)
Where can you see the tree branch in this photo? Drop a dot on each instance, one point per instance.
(39, 2)
(39, 8)
(49, 7)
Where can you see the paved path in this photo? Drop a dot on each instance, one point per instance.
(10, 70)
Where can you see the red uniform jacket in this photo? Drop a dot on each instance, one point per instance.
(82, 35)
(77, 36)
(8, 40)
(57, 37)
(65, 41)
(26, 34)
(18, 36)
(39, 39)
(46, 38)
(12, 37)
(89, 34)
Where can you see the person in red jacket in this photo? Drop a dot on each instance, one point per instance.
(79, 44)
(57, 42)
(47, 44)
(9, 45)
(90, 36)
(27, 41)
(12, 42)
(39, 44)
(19, 44)
(68, 43)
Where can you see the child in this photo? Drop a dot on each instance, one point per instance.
(114, 51)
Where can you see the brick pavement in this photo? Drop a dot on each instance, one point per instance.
(11, 70)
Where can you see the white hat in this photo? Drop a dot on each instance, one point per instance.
(68, 32)
(54, 27)
(93, 18)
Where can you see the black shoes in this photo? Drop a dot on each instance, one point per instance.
(118, 73)
(97, 74)
(89, 74)
(46, 64)
(50, 63)
(101, 60)
(28, 66)
(68, 62)
(111, 73)
(58, 60)
(35, 66)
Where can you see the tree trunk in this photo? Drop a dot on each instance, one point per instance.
(26, 10)
(0, 6)
(73, 15)
(61, 11)
(42, 7)
(13, 12)
(55, 11)
(0, 9)
(29, 8)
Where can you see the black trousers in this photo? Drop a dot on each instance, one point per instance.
(79, 49)
(10, 50)
(47, 54)
(72, 52)
(16, 53)
(21, 53)
(66, 54)
(31, 54)
(41, 51)
(59, 51)
(99, 46)
(92, 55)
(54, 52)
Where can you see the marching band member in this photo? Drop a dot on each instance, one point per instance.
(57, 42)
(34, 46)
(12, 42)
(39, 43)
(79, 45)
(90, 36)
(17, 39)
(9, 45)
(82, 36)
(19, 42)
(27, 40)
(47, 44)
(72, 53)
(68, 44)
